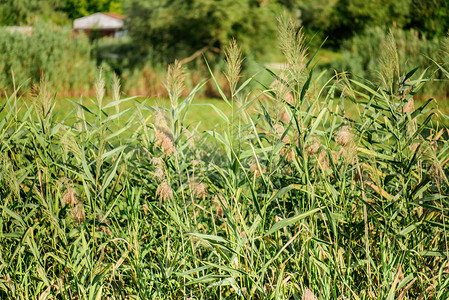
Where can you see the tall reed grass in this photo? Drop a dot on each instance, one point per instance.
(360, 56)
(293, 201)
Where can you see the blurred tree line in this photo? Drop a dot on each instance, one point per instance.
(161, 30)
(60, 12)
(181, 27)
(176, 26)
(343, 19)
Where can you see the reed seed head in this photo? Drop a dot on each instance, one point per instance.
(44, 98)
(78, 213)
(436, 172)
(389, 63)
(312, 149)
(70, 144)
(116, 91)
(201, 190)
(164, 137)
(164, 192)
(7, 174)
(69, 197)
(160, 119)
(105, 229)
(115, 88)
(308, 295)
(174, 82)
(164, 140)
(80, 116)
(100, 87)
(159, 172)
(281, 89)
(410, 106)
(292, 44)
(287, 153)
(343, 136)
(284, 116)
(233, 64)
(335, 156)
(218, 207)
(278, 130)
(157, 161)
(323, 160)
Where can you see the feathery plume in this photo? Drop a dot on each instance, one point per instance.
(116, 91)
(218, 204)
(44, 98)
(200, 190)
(164, 192)
(7, 174)
(100, 87)
(308, 295)
(164, 137)
(335, 156)
(70, 196)
(78, 213)
(389, 63)
(412, 126)
(409, 107)
(164, 140)
(347, 90)
(80, 116)
(343, 136)
(323, 160)
(312, 149)
(292, 46)
(159, 172)
(233, 64)
(278, 130)
(287, 152)
(281, 89)
(174, 83)
(70, 145)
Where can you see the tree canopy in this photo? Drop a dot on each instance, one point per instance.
(342, 19)
(22, 12)
(179, 27)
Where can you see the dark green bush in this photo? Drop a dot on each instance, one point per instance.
(360, 55)
(64, 59)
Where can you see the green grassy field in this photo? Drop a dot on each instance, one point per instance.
(200, 113)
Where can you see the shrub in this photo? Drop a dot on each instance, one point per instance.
(360, 56)
(50, 52)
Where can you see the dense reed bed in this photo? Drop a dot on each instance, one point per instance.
(292, 200)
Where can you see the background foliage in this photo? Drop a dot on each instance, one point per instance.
(161, 31)
(48, 52)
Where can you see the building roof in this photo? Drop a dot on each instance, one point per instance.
(99, 21)
(114, 15)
